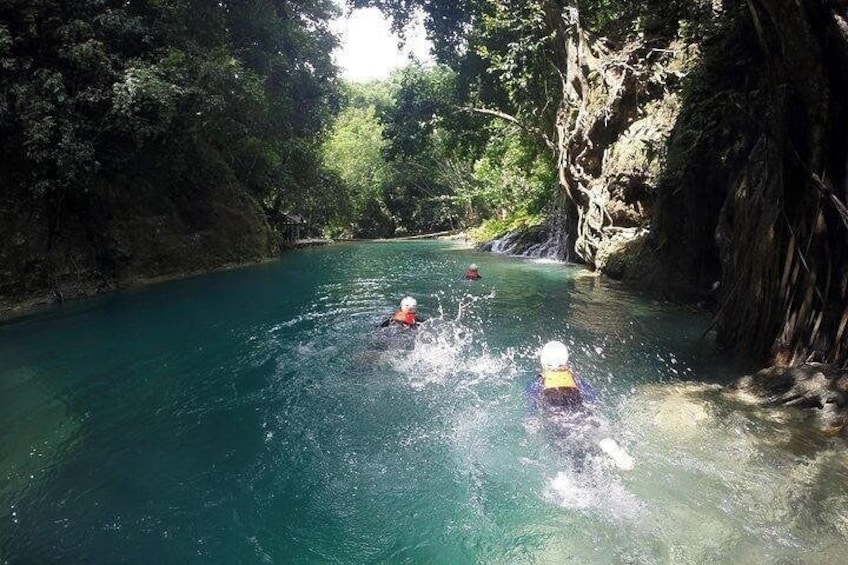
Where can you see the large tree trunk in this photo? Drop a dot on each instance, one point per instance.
(782, 231)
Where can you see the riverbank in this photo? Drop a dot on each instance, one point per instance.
(14, 307)
(449, 235)
(11, 307)
(314, 242)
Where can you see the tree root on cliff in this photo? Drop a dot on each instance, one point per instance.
(600, 86)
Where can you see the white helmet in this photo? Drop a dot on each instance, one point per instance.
(409, 303)
(554, 355)
(473, 267)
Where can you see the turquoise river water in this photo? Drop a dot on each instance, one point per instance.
(257, 416)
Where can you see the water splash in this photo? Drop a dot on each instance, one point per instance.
(594, 489)
(448, 351)
(451, 348)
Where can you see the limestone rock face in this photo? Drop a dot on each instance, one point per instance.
(612, 154)
(618, 253)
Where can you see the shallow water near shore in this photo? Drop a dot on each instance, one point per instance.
(258, 416)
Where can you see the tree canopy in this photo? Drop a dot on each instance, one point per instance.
(94, 88)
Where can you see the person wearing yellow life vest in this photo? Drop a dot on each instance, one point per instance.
(556, 385)
(407, 316)
(562, 392)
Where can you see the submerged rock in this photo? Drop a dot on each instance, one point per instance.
(814, 386)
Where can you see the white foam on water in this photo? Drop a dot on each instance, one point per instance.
(593, 489)
(448, 352)
(576, 473)
(467, 302)
(563, 491)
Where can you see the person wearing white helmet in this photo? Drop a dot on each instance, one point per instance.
(557, 385)
(473, 272)
(407, 316)
(558, 390)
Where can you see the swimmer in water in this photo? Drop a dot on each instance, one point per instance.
(557, 386)
(562, 396)
(406, 317)
(473, 273)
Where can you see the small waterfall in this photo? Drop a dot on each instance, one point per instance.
(554, 247)
(506, 244)
(547, 241)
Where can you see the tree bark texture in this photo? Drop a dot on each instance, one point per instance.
(757, 194)
(782, 233)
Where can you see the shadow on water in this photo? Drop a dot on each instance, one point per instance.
(260, 416)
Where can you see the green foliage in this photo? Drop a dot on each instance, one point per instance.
(408, 164)
(93, 89)
(144, 102)
(418, 129)
(422, 101)
(387, 147)
(463, 166)
(513, 175)
(377, 94)
(508, 58)
(354, 152)
(494, 228)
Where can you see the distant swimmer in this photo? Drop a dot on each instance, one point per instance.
(407, 316)
(473, 272)
(561, 395)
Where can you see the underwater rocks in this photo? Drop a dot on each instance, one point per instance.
(822, 389)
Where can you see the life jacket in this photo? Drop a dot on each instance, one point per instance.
(560, 388)
(474, 275)
(407, 318)
(561, 378)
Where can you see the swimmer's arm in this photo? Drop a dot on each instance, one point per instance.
(586, 390)
(386, 323)
(531, 393)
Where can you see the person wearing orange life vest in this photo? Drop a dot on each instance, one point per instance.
(473, 273)
(407, 316)
(556, 385)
